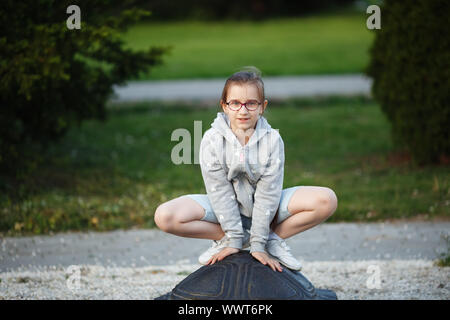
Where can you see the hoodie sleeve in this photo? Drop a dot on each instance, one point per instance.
(220, 192)
(267, 194)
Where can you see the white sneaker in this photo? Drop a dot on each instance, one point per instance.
(279, 250)
(216, 247)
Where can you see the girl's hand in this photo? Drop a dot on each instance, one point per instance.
(222, 255)
(266, 260)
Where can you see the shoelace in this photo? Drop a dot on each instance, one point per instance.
(217, 243)
(283, 244)
(221, 241)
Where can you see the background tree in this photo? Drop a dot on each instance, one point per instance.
(238, 9)
(52, 77)
(410, 68)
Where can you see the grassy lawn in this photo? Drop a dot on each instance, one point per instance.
(114, 174)
(323, 44)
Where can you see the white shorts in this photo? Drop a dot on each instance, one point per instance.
(281, 215)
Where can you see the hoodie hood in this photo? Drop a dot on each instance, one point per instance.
(222, 125)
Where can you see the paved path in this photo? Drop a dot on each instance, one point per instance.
(276, 87)
(139, 248)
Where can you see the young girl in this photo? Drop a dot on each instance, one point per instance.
(242, 164)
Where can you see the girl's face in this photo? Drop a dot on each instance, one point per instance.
(243, 119)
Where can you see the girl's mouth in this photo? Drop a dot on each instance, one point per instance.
(243, 119)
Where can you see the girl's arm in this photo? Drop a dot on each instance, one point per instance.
(267, 194)
(220, 192)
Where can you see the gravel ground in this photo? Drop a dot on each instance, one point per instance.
(144, 264)
(141, 248)
(398, 279)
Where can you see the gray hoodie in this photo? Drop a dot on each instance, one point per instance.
(245, 180)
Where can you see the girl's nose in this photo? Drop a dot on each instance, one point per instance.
(243, 111)
(243, 115)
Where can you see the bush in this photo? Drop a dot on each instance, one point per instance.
(409, 67)
(52, 77)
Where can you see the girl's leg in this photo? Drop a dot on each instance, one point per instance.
(182, 217)
(308, 207)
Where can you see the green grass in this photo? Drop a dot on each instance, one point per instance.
(114, 174)
(323, 44)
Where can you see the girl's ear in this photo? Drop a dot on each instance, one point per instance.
(264, 107)
(223, 105)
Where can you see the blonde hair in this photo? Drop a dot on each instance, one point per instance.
(248, 74)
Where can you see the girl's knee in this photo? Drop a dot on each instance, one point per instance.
(327, 203)
(164, 217)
